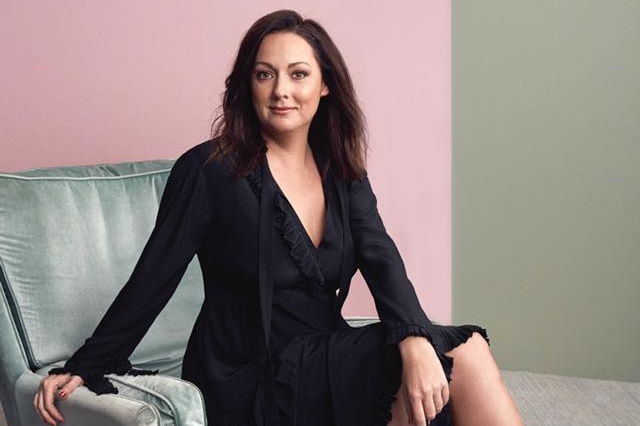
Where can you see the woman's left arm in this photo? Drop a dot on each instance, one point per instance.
(382, 267)
(424, 385)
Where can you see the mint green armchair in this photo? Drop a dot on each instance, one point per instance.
(69, 238)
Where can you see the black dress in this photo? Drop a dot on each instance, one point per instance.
(322, 371)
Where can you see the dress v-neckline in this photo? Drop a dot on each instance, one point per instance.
(295, 215)
(301, 226)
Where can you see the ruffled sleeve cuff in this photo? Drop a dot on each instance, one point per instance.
(94, 376)
(397, 333)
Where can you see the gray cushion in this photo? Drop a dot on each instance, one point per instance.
(551, 400)
(70, 239)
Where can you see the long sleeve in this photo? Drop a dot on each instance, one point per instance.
(181, 224)
(383, 269)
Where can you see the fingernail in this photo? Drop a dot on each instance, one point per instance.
(63, 395)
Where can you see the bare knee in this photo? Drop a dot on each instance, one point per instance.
(478, 393)
(474, 347)
(473, 358)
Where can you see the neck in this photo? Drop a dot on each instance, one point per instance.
(291, 151)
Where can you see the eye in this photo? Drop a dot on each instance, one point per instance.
(263, 74)
(298, 75)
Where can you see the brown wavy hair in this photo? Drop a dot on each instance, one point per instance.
(337, 130)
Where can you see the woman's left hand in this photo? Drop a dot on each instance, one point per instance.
(424, 385)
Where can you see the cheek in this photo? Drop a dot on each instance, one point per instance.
(259, 93)
(309, 95)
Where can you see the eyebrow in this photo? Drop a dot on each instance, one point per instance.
(291, 65)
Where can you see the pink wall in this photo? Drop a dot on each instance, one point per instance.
(95, 82)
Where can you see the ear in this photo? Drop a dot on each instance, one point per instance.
(324, 91)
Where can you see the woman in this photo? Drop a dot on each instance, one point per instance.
(280, 212)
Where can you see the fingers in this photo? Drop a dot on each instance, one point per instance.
(36, 405)
(407, 404)
(445, 395)
(44, 399)
(42, 412)
(71, 385)
(433, 405)
(423, 407)
(418, 409)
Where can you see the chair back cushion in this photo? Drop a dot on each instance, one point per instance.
(69, 239)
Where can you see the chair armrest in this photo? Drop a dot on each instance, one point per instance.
(84, 407)
(176, 401)
(179, 402)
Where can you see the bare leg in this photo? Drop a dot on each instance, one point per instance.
(398, 413)
(478, 394)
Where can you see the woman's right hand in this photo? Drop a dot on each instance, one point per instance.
(60, 385)
(424, 385)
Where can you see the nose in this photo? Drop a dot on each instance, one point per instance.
(280, 88)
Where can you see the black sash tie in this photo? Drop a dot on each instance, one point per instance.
(265, 409)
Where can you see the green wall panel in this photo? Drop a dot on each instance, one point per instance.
(546, 182)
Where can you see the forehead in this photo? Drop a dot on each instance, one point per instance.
(285, 48)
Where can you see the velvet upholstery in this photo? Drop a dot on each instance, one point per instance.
(69, 238)
(83, 407)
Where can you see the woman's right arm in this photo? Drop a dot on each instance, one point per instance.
(182, 222)
(424, 384)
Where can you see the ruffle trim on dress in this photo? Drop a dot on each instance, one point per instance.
(443, 339)
(299, 249)
(94, 376)
(389, 385)
(285, 223)
(457, 335)
(255, 180)
(398, 333)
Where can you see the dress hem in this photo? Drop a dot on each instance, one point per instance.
(445, 338)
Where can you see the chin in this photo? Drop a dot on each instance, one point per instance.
(282, 130)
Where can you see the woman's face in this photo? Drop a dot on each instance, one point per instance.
(286, 85)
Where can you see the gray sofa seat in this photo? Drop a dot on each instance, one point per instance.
(552, 400)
